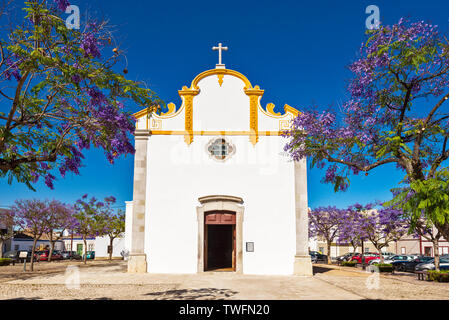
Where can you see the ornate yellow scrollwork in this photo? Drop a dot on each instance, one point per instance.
(270, 110)
(155, 124)
(188, 95)
(254, 96)
(171, 109)
(220, 78)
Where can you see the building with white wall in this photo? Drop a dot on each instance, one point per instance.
(213, 188)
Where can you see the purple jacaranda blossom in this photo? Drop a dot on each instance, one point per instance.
(407, 61)
(62, 4)
(12, 69)
(90, 45)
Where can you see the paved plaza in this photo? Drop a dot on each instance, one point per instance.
(109, 280)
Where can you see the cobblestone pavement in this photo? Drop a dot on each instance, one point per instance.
(109, 280)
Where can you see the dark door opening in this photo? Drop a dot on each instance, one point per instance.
(220, 247)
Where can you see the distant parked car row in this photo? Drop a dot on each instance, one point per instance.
(43, 255)
(395, 258)
(400, 262)
(70, 255)
(14, 255)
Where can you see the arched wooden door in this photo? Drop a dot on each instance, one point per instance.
(220, 241)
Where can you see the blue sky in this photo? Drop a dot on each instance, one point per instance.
(298, 51)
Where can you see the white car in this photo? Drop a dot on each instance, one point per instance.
(391, 259)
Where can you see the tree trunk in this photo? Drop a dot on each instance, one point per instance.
(50, 253)
(71, 244)
(444, 229)
(33, 250)
(1, 248)
(111, 240)
(354, 247)
(85, 249)
(329, 260)
(379, 250)
(436, 254)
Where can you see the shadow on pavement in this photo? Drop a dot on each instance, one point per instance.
(193, 294)
(321, 269)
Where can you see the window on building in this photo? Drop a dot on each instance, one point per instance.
(428, 251)
(220, 149)
(90, 247)
(403, 251)
(16, 247)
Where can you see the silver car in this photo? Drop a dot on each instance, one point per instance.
(398, 257)
(430, 265)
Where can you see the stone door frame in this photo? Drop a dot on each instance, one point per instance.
(221, 203)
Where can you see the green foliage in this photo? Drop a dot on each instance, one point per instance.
(5, 261)
(438, 276)
(427, 199)
(349, 263)
(384, 267)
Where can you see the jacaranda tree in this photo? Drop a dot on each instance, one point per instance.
(381, 226)
(396, 113)
(326, 223)
(352, 231)
(59, 218)
(31, 216)
(60, 94)
(115, 227)
(91, 218)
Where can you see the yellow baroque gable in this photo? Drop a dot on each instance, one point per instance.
(155, 124)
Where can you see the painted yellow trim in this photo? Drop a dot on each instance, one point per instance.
(291, 110)
(187, 95)
(270, 111)
(141, 113)
(194, 84)
(215, 133)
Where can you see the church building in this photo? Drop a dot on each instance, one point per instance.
(213, 189)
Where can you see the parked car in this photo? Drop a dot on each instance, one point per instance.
(90, 255)
(43, 255)
(387, 255)
(399, 257)
(430, 265)
(72, 255)
(410, 265)
(367, 256)
(15, 255)
(345, 257)
(316, 256)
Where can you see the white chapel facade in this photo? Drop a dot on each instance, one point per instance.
(213, 189)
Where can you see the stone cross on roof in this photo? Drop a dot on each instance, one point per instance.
(220, 49)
